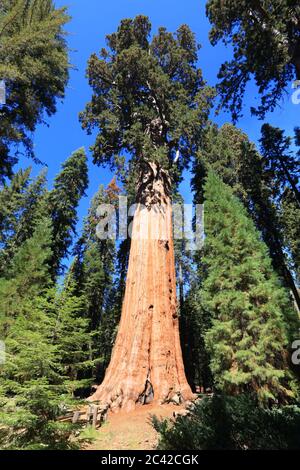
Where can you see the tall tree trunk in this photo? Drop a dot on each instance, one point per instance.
(146, 363)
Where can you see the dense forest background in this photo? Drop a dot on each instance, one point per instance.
(61, 287)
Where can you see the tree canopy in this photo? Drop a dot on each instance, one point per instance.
(149, 97)
(34, 64)
(265, 36)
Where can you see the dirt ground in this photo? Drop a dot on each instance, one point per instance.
(130, 431)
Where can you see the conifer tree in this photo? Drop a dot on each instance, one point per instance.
(149, 100)
(71, 335)
(11, 196)
(254, 28)
(42, 339)
(251, 316)
(96, 281)
(34, 65)
(281, 169)
(28, 275)
(62, 202)
(290, 222)
(31, 386)
(229, 153)
(22, 208)
(281, 165)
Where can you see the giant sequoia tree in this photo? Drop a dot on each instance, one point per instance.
(265, 36)
(150, 103)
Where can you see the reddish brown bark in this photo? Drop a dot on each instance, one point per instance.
(146, 363)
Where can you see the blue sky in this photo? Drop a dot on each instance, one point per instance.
(91, 21)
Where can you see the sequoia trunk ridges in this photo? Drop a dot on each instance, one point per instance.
(146, 362)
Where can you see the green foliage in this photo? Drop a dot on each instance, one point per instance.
(71, 335)
(62, 202)
(290, 222)
(280, 164)
(33, 392)
(32, 382)
(24, 202)
(249, 308)
(230, 154)
(28, 275)
(237, 423)
(254, 28)
(22, 207)
(149, 97)
(11, 198)
(281, 169)
(195, 321)
(34, 64)
(96, 276)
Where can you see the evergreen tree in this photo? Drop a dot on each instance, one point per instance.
(149, 102)
(96, 281)
(290, 222)
(25, 201)
(229, 153)
(280, 164)
(254, 28)
(70, 332)
(252, 320)
(194, 321)
(281, 170)
(231, 423)
(11, 196)
(62, 202)
(22, 208)
(31, 387)
(34, 65)
(28, 275)
(43, 340)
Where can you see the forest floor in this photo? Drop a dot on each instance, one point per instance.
(130, 431)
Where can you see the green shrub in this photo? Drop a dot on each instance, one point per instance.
(237, 423)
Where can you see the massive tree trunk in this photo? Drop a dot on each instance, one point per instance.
(146, 363)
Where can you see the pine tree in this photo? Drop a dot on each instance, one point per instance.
(11, 200)
(229, 153)
(22, 207)
(62, 202)
(25, 201)
(71, 335)
(280, 163)
(290, 222)
(31, 387)
(281, 169)
(255, 28)
(251, 316)
(96, 281)
(42, 338)
(34, 65)
(28, 275)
